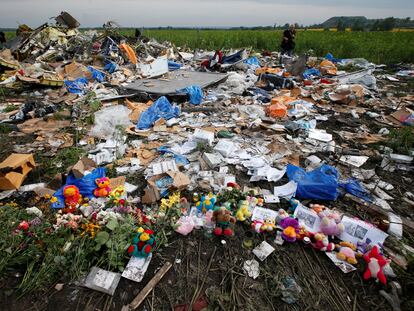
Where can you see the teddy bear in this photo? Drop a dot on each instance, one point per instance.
(206, 203)
(72, 198)
(322, 243)
(290, 229)
(318, 208)
(103, 189)
(347, 252)
(331, 223)
(375, 264)
(143, 243)
(243, 211)
(223, 219)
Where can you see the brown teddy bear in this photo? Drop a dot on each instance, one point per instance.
(223, 218)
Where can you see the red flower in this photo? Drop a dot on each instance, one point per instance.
(24, 225)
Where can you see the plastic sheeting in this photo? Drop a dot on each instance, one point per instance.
(173, 65)
(319, 184)
(96, 74)
(107, 120)
(195, 94)
(86, 186)
(162, 108)
(353, 187)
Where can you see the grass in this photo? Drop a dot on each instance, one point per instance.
(401, 140)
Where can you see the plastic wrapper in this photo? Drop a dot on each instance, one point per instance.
(107, 120)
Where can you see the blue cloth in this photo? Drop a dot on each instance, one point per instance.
(159, 109)
(312, 72)
(96, 74)
(76, 87)
(233, 58)
(86, 186)
(319, 184)
(252, 61)
(111, 67)
(195, 93)
(173, 65)
(353, 187)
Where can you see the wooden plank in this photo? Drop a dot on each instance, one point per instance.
(148, 288)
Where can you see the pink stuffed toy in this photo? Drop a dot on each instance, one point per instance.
(375, 263)
(331, 223)
(103, 188)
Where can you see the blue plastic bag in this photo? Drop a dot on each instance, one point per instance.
(96, 74)
(353, 187)
(319, 184)
(330, 57)
(312, 72)
(76, 87)
(159, 109)
(195, 94)
(173, 65)
(252, 61)
(86, 186)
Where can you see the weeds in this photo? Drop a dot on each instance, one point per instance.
(401, 140)
(10, 108)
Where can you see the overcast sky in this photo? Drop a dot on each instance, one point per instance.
(152, 13)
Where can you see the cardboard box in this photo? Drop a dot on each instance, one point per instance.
(14, 170)
(83, 165)
(152, 192)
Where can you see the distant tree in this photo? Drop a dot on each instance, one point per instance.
(297, 26)
(388, 24)
(286, 25)
(375, 26)
(326, 29)
(357, 26)
(341, 25)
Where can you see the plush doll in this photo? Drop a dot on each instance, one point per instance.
(290, 229)
(375, 264)
(365, 247)
(142, 244)
(223, 219)
(321, 242)
(253, 202)
(281, 214)
(331, 223)
(103, 189)
(317, 208)
(303, 233)
(260, 226)
(206, 203)
(243, 212)
(72, 198)
(347, 252)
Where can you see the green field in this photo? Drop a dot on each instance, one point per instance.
(378, 47)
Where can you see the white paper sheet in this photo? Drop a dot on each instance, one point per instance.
(308, 218)
(260, 213)
(356, 229)
(286, 191)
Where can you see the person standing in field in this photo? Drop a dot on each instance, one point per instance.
(288, 41)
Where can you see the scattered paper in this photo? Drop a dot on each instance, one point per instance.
(251, 268)
(320, 135)
(263, 250)
(102, 280)
(271, 198)
(136, 268)
(356, 161)
(286, 191)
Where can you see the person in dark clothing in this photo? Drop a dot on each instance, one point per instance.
(2, 39)
(288, 41)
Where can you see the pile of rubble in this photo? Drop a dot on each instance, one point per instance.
(238, 135)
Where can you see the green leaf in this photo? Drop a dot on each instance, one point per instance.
(112, 224)
(102, 237)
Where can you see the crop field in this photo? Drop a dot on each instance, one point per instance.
(378, 47)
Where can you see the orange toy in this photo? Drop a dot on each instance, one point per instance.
(72, 198)
(103, 189)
